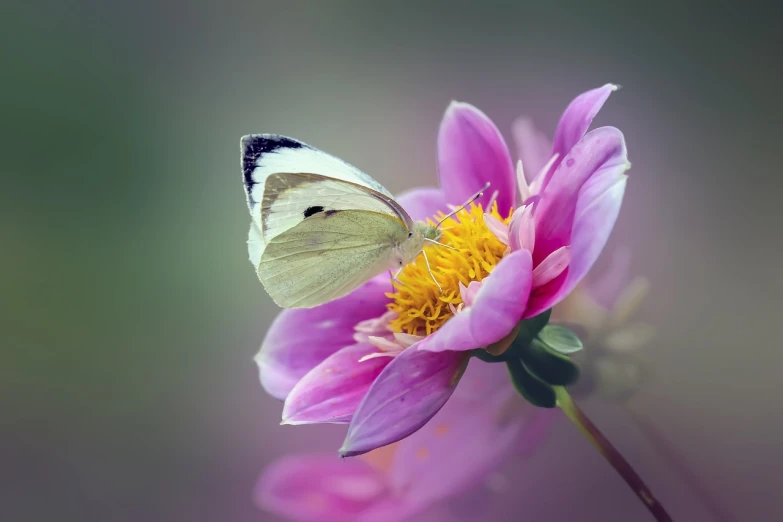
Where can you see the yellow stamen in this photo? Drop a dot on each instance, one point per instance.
(420, 306)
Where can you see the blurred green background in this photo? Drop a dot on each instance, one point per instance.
(129, 314)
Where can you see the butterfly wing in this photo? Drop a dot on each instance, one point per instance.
(287, 180)
(328, 255)
(289, 198)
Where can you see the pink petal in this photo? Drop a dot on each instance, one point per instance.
(300, 339)
(551, 267)
(593, 218)
(522, 230)
(522, 185)
(459, 448)
(497, 227)
(471, 152)
(601, 150)
(533, 146)
(407, 393)
(423, 203)
(497, 308)
(578, 117)
(321, 488)
(332, 391)
(543, 175)
(596, 214)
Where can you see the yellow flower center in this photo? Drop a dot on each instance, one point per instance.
(420, 305)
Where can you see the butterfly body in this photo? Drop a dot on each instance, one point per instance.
(320, 227)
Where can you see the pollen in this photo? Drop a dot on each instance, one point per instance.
(421, 306)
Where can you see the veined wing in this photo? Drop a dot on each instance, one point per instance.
(290, 198)
(326, 256)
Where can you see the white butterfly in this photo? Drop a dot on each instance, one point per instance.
(320, 227)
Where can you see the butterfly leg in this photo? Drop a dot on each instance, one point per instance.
(427, 262)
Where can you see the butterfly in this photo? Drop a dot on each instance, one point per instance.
(320, 227)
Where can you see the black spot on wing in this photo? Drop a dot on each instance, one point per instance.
(309, 211)
(330, 212)
(255, 146)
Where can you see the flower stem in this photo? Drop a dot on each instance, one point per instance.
(610, 453)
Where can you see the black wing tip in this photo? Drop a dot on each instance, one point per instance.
(254, 146)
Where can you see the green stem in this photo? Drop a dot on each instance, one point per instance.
(610, 453)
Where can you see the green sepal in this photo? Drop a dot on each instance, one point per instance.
(483, 355)
(534, 390)
(549, 365)
(560, 339)
(528, 330)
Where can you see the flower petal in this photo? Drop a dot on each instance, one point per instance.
(407, 393)
(596, 211)
(522, 230)
(459, 448)
(551, 267)
(497, 227)
(423, 203)
(496, 310)
(596, 214)
(471, 152)
(578, 116)
(332, 391)
(320, 488)
(533, 146)
(300, 339)
(600, 153)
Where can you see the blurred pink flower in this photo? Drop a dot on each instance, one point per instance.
(603, 311)
(351, 361)
(484, 424)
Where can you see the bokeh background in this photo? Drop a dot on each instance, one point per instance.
(129, 315)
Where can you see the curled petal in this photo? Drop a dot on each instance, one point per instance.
(407, 393)
(533, 146)
(332, 391)
(522, 230)
(596, 212)
(321, 488)
(551, 267)
(300, 339)
(423, 203)
(471, 152)
(600, 153)
(578, 116)
(497, 308)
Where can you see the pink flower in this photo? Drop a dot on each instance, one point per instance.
(458, 449)
(386, 358)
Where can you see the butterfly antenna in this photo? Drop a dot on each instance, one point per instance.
(473, 198)
(439, 243)
(427, 262)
